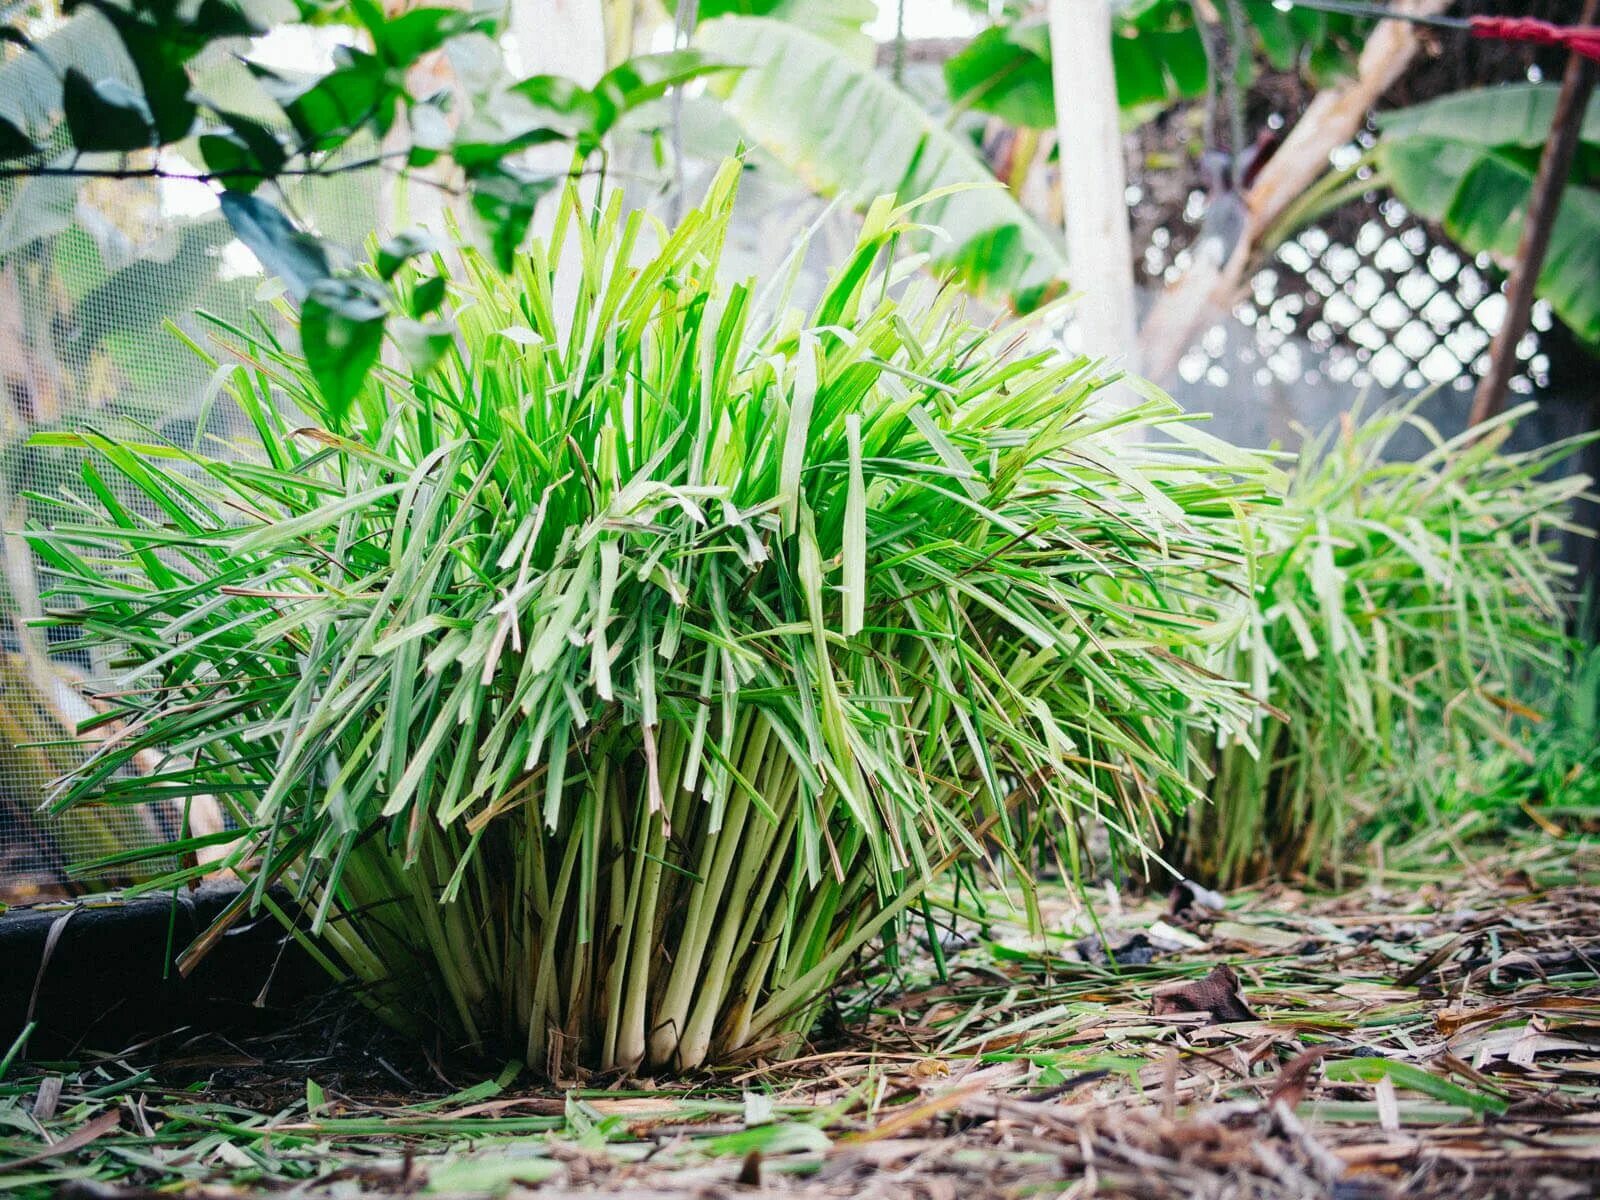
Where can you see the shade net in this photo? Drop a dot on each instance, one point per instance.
(98, 280)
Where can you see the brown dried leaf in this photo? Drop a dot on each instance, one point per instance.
(750, 1170)
(1217, 994)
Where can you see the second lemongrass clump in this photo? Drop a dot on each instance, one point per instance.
(1397, 604)
(606, 687)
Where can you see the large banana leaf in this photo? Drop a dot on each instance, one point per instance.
(1512, 114)
(847, 131)
(837, 21)
(1468, 161)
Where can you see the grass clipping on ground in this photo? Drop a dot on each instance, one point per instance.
(1413, 1038)
(607, 680)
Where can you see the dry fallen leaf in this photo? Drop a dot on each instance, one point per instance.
(1218, 994)
(929, 1068)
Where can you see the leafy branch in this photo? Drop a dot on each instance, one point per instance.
(471, 146)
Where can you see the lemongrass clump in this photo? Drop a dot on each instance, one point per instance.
(1396, 603)
(605, 687)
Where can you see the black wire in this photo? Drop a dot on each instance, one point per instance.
(1378, 12)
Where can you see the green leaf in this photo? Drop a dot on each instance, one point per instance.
(243, 151)
(406, 244)
(847, 130)
(1156, 50)
(1005, 71)
(1513, 114)
(105, 114)
(427, 296)
(1158, 66)
(341, 332)
(789, 1137)
(14, 143)
(533, 112)
(524, 649)
(422, 342)
(1414, 1079)
(401, 40)
(503, 199)
(1468, 161)
(222, 19)
(644, 78)
(490, 1174)
(1280, 41)
(431, 133)
(356, 94)
(840, 22)
(291, 254)
(160, 44)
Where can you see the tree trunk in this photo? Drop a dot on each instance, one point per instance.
(1093, 183)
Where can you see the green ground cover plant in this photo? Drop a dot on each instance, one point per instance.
(1455, 802)
(611, 674)
(1400, 607)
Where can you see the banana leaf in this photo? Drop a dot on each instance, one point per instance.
(1468, 161)
(847, 131)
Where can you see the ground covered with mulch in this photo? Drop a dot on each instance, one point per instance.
(1409, 1036)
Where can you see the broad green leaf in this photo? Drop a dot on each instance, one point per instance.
(160, 50)
(341, 332)
(839, 22)
(431, 132)
(532, 112)
(503, 199)
(1468, 161)
(422, 342)
(1510, 114)
(427, 296)
(356, 94)
(408, 243)
(104, 114)
(243, 152)
(1005, 71)
(14, 143)
(644, 78)
(291, 254)
(1156, 50)
(401, 40)
(846, 130)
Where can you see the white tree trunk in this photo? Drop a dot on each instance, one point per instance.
(1093, 182)
(559, 37)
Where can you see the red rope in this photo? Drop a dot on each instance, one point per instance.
(1580, 39)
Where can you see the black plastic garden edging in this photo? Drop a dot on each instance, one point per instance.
(97, 972)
